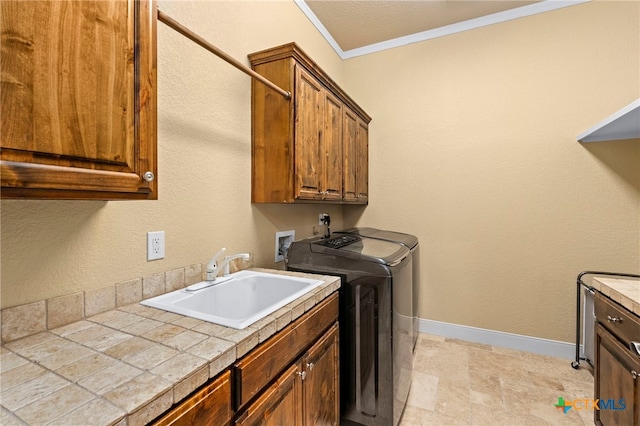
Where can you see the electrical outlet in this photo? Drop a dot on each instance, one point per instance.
(321, 218)
(155, 245)
(283, 241)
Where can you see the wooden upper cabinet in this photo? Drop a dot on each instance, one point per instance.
(309, 110)
(356, 158)
(350, 129)
(78, 99)
(299, 147)
(333, 166)
(362, 162)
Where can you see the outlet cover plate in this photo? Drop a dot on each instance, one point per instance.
(155, 245)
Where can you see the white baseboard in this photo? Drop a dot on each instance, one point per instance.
(499, 338)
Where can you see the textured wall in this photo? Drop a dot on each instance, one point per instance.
(479, 130)
(52, 248)
(472, 141)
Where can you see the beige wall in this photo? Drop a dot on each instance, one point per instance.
(472, 141)
(52, 248)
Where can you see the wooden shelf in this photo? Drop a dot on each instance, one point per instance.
(624, 124)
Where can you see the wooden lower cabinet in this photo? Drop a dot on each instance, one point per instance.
(617, 367)
(279, 404)
(211, 405)
(306, 394)
(291, 379)
(320, 389)
(616, 384)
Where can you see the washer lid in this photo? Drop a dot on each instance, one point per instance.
(381, 234)
(368, 249)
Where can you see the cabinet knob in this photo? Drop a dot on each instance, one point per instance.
(148, 176)
(310, 366)
(302, 374)
(613, 319)
(634, 374)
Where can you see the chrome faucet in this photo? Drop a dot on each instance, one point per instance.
(214, 267)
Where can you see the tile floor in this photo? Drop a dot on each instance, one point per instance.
(463, 383)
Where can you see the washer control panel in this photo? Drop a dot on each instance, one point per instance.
(337, 242)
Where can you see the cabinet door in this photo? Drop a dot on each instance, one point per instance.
(349, 132)
(280, 404)
(262, 365)
(616, 382)
(211, 405)
(332, 144)
(309, 120)
(356, 158)
(78, 99)
(362, 167)
(320, 390)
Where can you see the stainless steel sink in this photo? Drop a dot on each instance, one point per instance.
(237, 300)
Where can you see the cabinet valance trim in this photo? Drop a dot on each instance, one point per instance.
(292, 50)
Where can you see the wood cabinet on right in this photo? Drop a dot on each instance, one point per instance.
(320, 389)
(305, 394)
(356, 158)
(293, 377)
(617, 366)
(311, 148)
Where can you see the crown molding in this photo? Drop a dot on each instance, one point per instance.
(483, 21)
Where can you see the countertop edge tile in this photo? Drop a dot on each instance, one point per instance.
(625, 291)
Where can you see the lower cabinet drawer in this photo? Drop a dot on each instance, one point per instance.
(211, 405)
(615, 318)
(254, 371)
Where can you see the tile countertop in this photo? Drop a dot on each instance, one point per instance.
(128, 365)
(625, 291)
